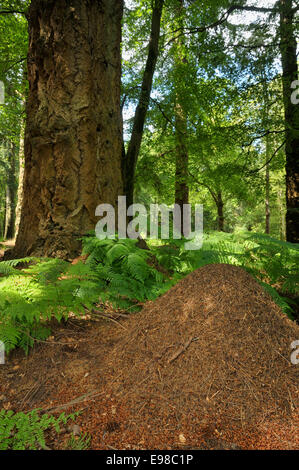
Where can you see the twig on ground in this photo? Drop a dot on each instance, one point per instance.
(181, 350)
(86, 396)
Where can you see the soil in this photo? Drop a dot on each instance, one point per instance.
(205, 366)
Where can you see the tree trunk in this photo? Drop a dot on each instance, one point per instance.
(288, 49)
(267, 202)
(10, 201)
(21, 179)
(130, 157)
(267, 184)
(220, 218)
(73, 135)
(281, 204)
(182, 158)
(181, 163)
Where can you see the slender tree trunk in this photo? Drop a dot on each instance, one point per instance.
(220, 218)
(281, 204)
(21, 179)
(267, 201)
(2, 213)
(217, 198)
(181, 162)
(21, 156)
(182, 157)
(9, 213)
(131, 156)
(181, 171)
(290, 74)
(10, 201)
(73, 136)
(267, 185)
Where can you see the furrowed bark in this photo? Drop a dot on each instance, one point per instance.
(73, 135)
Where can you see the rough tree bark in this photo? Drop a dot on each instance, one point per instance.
(73, 136)
(131, 156)
(288, 50)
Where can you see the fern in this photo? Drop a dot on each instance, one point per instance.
(32, 296)
(122, 268)
(26, 431)
(119, 272)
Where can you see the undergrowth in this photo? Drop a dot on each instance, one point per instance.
(272, 262)
(33, 291)
(115, 272)
(123, 274)
(32, 296)
(26, 431)
(81, 442)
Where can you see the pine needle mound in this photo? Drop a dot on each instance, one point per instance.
(214, 345)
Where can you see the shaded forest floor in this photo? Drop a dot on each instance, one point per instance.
(204, 366)
(82, 367)
(68, 368)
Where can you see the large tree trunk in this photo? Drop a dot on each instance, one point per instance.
(290, 74)
(10, 200)
(73, 136)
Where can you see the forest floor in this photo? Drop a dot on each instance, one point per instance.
(82, 367)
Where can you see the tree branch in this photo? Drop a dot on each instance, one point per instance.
(214, 196)
(268, 161)
(251, 8)
(12, 12)
(264, 135)
(15, 63)
(221, 20)
(165, 115)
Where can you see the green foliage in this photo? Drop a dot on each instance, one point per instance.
(118, 272)
(81, 442)
(272, 262)
(26, 431)
(32, 296)
(124, 272)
